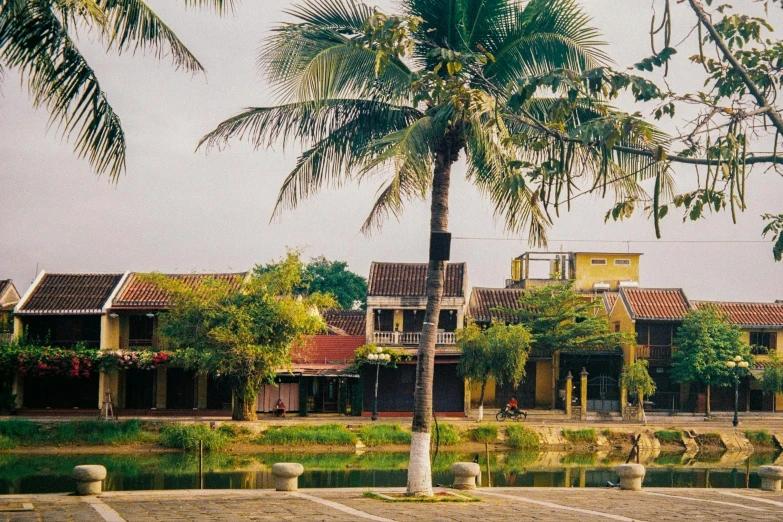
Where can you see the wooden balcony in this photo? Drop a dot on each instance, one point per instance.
(410, 338)
(655, 352)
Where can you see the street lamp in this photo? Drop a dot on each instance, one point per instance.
(737, 364)
(378, 359)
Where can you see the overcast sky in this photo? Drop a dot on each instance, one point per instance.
(176, 210)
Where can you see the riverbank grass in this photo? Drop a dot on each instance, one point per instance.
(187, 437)
(325, 434)
(669, 436)
(760, 438)
(21, 432)
(485, 434)
(522, 438)
(580, 436)
(384, 434)
(447, 435)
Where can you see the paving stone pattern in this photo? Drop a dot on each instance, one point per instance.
(555, 504)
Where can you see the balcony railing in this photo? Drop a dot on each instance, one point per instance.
(655, 352)
(155, 343)
(410, 338)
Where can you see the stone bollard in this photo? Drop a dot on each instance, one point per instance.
(465, 474)
(286, 475)
(631, 476)
(771, 477)
(89, 479)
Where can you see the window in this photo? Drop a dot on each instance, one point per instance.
(622, 262)
(660, 334)
(642, 333)
(597, 261)
(762, 342)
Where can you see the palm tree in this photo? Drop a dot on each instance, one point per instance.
(360, 91)
(37, 38)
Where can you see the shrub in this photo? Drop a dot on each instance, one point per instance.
(7, 442)
(21, 429)
(448, 435)
(709, 439)
(760, 437)
(669, 436)
(187, 436)
(383, 434)
(484, 434)
(233, 431)
(520, 437)
(581, 436)
(335, 434)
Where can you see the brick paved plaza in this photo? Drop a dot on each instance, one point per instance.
(584, 505)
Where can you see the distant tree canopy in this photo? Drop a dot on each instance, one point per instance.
(329, 278)
(498, 352)
(705, 342)
(559, 318)
(243, 335)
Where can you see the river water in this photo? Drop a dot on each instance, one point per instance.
(52, 473)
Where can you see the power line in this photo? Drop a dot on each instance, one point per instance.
(717, 241)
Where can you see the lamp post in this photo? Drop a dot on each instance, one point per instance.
(378, 359)
(736, 364)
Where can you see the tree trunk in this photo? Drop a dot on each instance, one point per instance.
(419, 469)
(481, 401)
(707, 408)
(243, 394)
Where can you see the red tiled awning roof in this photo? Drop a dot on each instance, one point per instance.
(759, 315)
(485, 301)
(345, 322)
(655, 304)
(328, 349)
(410, 280)
(70, 294)
(138, 293)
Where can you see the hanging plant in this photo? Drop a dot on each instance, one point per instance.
(132, 359)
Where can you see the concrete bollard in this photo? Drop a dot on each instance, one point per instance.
(771, 477)
(631, 476)
(286, 475)
(89, 479)
(465, 474)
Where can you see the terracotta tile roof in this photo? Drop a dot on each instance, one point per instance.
(609, 299)
(484, 301)
(70, 294)
(346, 322)
(137, 293)
(410, 279)
(327, 349)
(750, 314)
(656, 304)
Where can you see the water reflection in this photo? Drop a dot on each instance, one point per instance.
(50, 474)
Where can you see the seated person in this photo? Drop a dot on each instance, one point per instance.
(279, 410)
(512, 405)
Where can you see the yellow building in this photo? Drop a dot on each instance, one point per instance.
(591, 272)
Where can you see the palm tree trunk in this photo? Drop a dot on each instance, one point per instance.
(481, 401)
(419, 469)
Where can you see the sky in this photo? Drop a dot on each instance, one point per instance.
(181, 210)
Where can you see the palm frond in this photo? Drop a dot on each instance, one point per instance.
(337, 15)
(320, 58)
(541, 36)
(444, 22)
(220, 6)
(135, 27)
(34, 41)
(300, 122)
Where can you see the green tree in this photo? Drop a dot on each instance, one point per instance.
(367, 94)
(329, 277)
(636, 378)
(705, 342)
(560, 319)
(333, 277)
(38, 39)
(772, 379)
(245, 335)
(498, 352)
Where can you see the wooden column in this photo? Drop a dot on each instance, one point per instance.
(568, 395)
